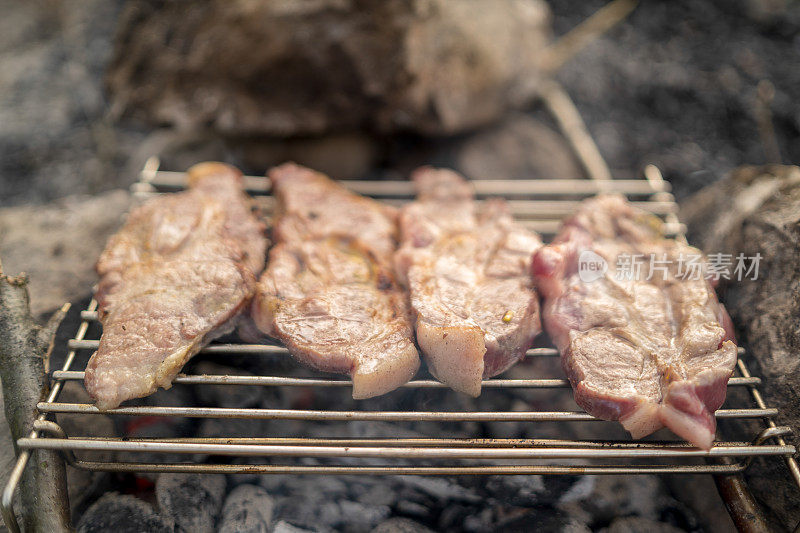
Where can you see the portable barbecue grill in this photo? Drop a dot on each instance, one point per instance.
(538, 204)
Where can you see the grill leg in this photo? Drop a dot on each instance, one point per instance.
(745, 512)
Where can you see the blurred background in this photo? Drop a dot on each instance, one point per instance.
(90, 88)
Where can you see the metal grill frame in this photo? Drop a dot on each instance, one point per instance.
(474, 456)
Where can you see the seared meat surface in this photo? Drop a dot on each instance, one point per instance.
(466, 267)
(329, 293)
(175, 277)
(651, 348)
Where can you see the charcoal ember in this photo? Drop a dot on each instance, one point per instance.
(247, 509)
(225, 428)
(756, 210)
(607, 497)
(329, 511)
(441, 489)
(234, 396)
(580, 490)
(417, 504)
(123, 514)
(329, 514)
(193, 501)
(710, 512)
(400, 525)
(318, 488)
(506, 402)
(175, 396)
(413, 509)
(245, 478)
(480, 521)
(440, 400)
(638, 524)
(378, 493)
(152, 428)
(602, 499)
(286, 527)
(517, 490)
(308, 512)
(682, 516)
(272, 483)
(84, 486)
(85, 425)
(448, 69)
(233, 427)
(158, 427)
(329, 487)
(542, 519)
(453, 516)
(358, 517)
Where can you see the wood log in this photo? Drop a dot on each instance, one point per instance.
(25, 348)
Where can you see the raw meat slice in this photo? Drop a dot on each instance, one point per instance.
(175, 277)
(651, 348)
(467, 271)
(329, 293)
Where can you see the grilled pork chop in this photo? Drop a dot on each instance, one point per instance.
(329, 293)
(173, 278)
(647, 352)
(467, 271)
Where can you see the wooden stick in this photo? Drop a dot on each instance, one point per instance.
(587, 31)
(765, 92)
(25, 348)
(572, 126)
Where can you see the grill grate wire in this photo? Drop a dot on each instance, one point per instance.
(539, 205)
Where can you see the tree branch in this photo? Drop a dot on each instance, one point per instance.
(24, 353)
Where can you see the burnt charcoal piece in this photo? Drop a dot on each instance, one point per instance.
(123, 514)
(651, 349)
(359, 517)
(286, 527)
(638, 524)
(247, 509)
(226, 395)
(541, 519)
(401, 525)
(193, 501)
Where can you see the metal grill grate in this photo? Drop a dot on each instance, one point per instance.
(539, 205)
